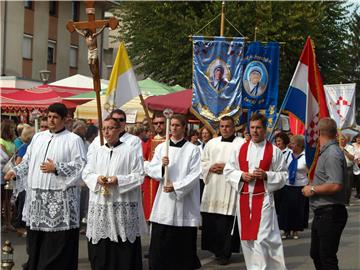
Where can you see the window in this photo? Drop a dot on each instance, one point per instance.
(75, 10)
(27, 47)
(28, 4)
(73, 56)
(51, 52)
(53, 8)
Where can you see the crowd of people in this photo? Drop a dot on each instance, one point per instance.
(238, 189)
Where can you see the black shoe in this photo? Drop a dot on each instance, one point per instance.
(24, 266)
(223, 261)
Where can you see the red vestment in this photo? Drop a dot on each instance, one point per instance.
(150, 186)
(251, 216)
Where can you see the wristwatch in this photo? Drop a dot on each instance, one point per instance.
(312, 189)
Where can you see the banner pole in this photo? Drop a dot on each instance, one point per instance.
(222, 19)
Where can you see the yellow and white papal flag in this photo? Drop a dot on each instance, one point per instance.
(123, 85)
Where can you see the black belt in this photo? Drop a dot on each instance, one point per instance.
(328, 208)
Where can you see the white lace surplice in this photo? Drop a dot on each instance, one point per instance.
(52, 201)
(119, 214)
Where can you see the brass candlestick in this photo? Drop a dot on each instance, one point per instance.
(8, 185)
(7, 256)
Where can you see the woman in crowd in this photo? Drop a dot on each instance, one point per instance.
(18, 142)
(282, 141)
(7, 151)
(348, 151)
(194, 137)
(356, 167)
(205, 136)
(294, 207)
(26, 136)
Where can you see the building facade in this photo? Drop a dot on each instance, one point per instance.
(34, 38)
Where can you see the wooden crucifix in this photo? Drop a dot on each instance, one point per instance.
(87, 29)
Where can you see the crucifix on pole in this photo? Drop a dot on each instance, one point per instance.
(87, 29)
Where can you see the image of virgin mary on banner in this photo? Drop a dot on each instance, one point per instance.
(217, 77)
(260, 81)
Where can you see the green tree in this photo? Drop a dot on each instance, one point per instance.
(157, 34)
(353, 49)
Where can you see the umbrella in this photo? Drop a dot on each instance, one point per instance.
(179, 102)
(150, 87)
(132, 108)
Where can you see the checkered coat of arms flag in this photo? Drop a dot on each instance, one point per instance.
(306, 101)
(340, 99)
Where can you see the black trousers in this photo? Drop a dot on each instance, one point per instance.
(173, 248)
(356, 180)
(109, 255)
(216, 235)
(18, 223)
(53, 250)
(326, 230)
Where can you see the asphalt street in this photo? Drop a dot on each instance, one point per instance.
(296, 251)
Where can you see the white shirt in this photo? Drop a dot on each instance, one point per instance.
(356, 169)
(120, 213)
(181, 207)
(350, 149)
(301, 173)
(287, 154)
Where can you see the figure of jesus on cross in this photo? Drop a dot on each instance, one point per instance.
(91, 42)
(87, 29)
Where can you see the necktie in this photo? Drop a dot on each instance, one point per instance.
(292, 169)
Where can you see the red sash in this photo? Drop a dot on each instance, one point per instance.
(250, 220)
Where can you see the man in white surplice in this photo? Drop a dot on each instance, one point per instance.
(52, 168)
(218, 204)
(256, 169)
(129, 139)
(115, 216)
(175, 215)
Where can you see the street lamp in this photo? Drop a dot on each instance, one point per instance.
(44, 75)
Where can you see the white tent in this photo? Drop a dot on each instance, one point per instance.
(80, 81)
(133, 109)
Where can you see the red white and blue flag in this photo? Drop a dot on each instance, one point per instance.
(305, 99)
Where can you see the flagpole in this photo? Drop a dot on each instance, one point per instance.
(222, 22)
(146, 112)
(283, 103)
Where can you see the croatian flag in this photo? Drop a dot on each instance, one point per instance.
(305, 99)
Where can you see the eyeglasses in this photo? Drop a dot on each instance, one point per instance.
(120, 119)
(44, 126)
(108, 128)
(158, 123)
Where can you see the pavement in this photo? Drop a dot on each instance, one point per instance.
(296, 251)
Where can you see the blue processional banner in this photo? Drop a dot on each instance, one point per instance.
(260, 80)
(217, 72)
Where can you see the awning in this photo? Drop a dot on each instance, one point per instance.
(30, 100)
(179, 102)
(61, 89)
